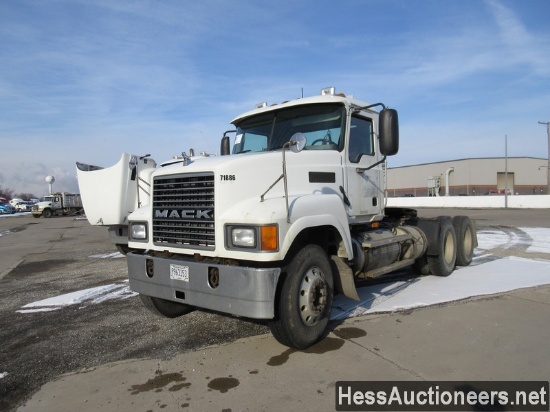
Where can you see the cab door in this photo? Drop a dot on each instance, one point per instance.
(365, 188)
(56, 202)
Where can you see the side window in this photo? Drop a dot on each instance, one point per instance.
(360, 139)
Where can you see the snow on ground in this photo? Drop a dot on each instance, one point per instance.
(114, 255)
(487, 275)
(540, 237)
(83, 298)
(536, 240)
(497, 276)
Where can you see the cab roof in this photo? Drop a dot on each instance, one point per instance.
(326, 96)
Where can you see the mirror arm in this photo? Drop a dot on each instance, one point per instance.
(364, 169)
(369, 106)
(283, 176)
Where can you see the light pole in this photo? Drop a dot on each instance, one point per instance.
(548, 168)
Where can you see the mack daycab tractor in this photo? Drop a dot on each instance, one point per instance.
(290, 216)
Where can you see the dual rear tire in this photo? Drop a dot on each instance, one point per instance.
(456, 243)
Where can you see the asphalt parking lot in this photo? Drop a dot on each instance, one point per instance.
(44, 258)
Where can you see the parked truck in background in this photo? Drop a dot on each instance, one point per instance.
(60, 203)
(293, 214)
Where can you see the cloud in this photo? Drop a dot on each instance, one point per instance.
(29, 177)
(521, 46)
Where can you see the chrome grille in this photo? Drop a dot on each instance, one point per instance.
(183, 211)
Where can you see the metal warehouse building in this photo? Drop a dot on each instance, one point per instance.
(470, 177)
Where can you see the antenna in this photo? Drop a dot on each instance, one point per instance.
(206, 141)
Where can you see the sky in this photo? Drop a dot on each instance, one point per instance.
(86, 80)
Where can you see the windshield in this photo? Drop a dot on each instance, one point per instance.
(321, 124)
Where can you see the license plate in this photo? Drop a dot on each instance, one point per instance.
(178, 272)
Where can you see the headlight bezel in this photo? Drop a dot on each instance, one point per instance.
(140, 228)
(263, 238)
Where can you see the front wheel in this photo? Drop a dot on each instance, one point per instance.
(305, 302)
(47, 213)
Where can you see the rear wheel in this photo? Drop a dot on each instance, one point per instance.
(305, 302)
(465, 237)
(165, 308)
(444, 263)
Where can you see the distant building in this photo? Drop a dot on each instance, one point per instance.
(470, 177)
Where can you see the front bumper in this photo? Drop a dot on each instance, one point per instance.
(242, 291)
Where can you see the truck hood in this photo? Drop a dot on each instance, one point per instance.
(252, 174)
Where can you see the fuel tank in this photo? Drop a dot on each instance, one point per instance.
(375, 249)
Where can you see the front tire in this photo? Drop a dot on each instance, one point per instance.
(165, 308)
(47, 213)
(305, 301)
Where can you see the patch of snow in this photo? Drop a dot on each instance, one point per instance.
(82, 297)
(540, 239)
(497, 276)
(113, 255)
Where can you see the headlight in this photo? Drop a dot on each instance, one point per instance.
(243, 237)
(138, 231)
(258, 238)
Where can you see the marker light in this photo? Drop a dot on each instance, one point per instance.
(269, 238)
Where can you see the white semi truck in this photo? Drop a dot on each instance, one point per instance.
(60, 203)
(290, 216)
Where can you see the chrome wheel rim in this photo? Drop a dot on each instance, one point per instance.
(313, 296)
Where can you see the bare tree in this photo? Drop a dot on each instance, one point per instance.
(26, 196)
(6, 192)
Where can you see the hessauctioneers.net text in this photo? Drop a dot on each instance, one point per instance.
(442, 396)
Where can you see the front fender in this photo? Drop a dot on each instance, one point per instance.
(318, 210)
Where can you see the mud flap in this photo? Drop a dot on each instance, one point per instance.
(344, 282)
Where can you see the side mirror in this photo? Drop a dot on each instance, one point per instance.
(388, 133)
(297, 142)
(225, 148)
